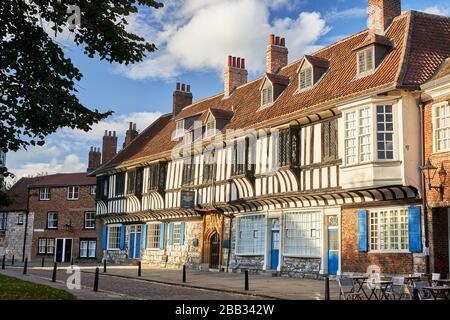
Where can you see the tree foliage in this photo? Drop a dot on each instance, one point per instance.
(38, 82)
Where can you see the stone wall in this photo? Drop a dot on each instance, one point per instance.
(11, 239)
(301, 267)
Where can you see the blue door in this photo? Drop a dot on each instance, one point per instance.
(275, 249)
(333, 250)
(131, 250)
(137, 253)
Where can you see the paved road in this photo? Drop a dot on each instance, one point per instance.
(119, 288)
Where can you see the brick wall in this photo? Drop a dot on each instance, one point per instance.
(354, 261)
(69, 212)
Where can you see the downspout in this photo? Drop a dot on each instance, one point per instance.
(229, 239)
(424, 187)
(26, 226)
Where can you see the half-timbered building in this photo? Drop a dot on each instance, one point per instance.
(311, 168)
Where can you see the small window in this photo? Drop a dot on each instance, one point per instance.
(88, 248)
(46, 246)
(89, 220)
(306, 79)
(120, 184)
(176, 233)
(114, 238)
(93, 190)
(52, 220)
(267, 96)
(385, 133)
(329, 138)
(42, 245)
(44, 194)
(389, 229)
(50, 246)
(366, 62)
(441, 125)
(154, 235)
(20, 219)
(3, 220)
(73, 193)
(210, 128)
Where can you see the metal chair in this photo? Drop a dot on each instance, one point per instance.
(347, 289)
(398, 289)
(423, 294)
(434, 278)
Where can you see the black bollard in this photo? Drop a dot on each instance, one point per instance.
(415, 294)
(246, 280)
(139, 269)
(43, 262)
(104, 266)
(55, 267)
(327, 287)
(96, 280)
(3, 262)
(12, 260)
(25, 266)
(184, 274)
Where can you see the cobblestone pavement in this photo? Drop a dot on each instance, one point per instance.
(120, 288)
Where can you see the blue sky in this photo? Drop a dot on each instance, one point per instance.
(194, 37)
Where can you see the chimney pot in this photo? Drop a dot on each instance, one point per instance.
(234, 62)
(183, 87)
(272, 39)
(239, 62)
(181, 98)
(106, 132)
(188, 88)
(277, 41)
(178, 86)
(282, 42)
(235, 74)
(243, 63)
(230, 60)
(382, 13)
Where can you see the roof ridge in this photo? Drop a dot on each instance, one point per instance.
(401, 72)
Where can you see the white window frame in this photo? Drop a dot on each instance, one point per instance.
(44, 194)
(153, 240)
(179, 129)
(42, 244)
(259, 242)
(90, 220)
(270, 97)
(52, 213)
(353, 137)
(363, 53)
(93, 190)
(375, 230)
(88, 248)
(384, 132)
(73, 193)
(176, 232)
(108, 242)
(312, 232)
(436, 128)
(303, 72)
(20, 219)
(210, 127)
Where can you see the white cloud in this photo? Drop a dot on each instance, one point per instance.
(199, 34)
(442, 11)
(351, 13)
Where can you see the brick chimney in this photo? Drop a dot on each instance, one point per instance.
(277, 54)
(382, 13)
(235, 74)
(182, 97)
(130, 135)
(109, 146)
(94, 159)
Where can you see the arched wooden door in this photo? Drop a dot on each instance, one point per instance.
(214, 251)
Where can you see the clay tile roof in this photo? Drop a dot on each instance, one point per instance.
(373, 38)
(420, 45)
(63, 180)
(278, 79)
(222, 113)
(443, 71)
(18, 194)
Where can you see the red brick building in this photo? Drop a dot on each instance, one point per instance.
(64, 227)
(436, 144)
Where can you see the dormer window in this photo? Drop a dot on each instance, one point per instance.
(306, 78)
(210, 128)
(366, 60)
(267, 96)
(179, 131)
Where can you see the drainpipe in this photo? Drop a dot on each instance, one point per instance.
(424, 187)
(229, 239)
(26, 226)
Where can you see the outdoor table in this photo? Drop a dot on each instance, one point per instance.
(360, 282)
(382, 286)
(409, 280)
(439, 293)
(443, 282)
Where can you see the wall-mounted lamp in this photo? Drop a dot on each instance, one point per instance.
(429, 171)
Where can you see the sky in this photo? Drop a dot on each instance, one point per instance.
(194, 38)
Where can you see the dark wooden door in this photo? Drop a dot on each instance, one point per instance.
(215, 251)
(59, 250)
(68, 250)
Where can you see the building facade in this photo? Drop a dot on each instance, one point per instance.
(312, 168)
(65, 225)
(16, 222)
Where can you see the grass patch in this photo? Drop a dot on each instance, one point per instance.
(15, 289)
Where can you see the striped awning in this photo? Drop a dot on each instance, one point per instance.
(150, 215)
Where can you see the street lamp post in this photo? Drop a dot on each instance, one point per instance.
(429, 171)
